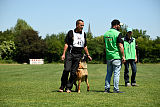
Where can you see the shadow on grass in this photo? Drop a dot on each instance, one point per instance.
(54, 91)
(88, 91)
(96, 91)
(63, 91)
(100, 91)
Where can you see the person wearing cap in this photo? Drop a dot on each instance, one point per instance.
(131, 58)
(114, 55)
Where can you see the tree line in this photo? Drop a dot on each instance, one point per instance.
(21, 43)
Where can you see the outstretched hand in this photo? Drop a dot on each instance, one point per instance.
(123, 60)
(90, 58)
(63, 57)
(135, 59)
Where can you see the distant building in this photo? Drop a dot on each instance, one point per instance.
(89, 33)
(89, 29)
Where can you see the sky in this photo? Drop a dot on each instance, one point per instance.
(56, 16)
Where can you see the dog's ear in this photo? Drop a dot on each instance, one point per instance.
(80, 64)
(84, 58)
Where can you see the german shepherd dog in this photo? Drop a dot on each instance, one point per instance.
(82, 73)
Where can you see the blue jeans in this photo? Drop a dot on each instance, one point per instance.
(126, 71)
(113, 66)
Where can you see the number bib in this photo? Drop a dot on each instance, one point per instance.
(78, 40)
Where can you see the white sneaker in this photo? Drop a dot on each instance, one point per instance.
(60, 90)
(128, 85)
(68, 91)
(134, 84)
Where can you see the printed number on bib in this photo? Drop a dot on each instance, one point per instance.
(78, 40)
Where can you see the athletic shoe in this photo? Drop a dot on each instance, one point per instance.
(134, 84)
(127, 84)
(68, 91)
(106, 91)
(117, 91)
(60, 90)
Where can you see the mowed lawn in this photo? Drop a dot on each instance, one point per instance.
(37, 86)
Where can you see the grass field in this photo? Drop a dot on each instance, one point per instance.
(37, 86)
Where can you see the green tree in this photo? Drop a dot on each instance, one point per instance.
(29, 46)
(96, 49)
(7, 49)
(55, 44)
(140, 33)
(20, 26)
(123, 30)
(89, 36)
(156, 49)
(6, 35)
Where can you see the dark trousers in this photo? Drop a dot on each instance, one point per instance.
(70, 65)
(126, 71)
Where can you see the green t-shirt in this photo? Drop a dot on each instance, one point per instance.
(129, 49)
(112, 48)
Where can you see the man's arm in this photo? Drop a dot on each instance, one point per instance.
(120, 43)
(122, 52)
(86, 50)
(136, 52)
(135, 56)
(64, 51)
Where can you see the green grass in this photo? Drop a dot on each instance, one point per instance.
(37, 85)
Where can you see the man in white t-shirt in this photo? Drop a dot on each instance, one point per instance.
(75, 42)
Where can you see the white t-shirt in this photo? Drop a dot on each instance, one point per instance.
(78, 39)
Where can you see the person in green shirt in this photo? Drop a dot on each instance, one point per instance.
(131, 58)
(114, 54)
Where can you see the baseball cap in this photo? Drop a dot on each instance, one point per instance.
(129, 29)
(121, 24)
